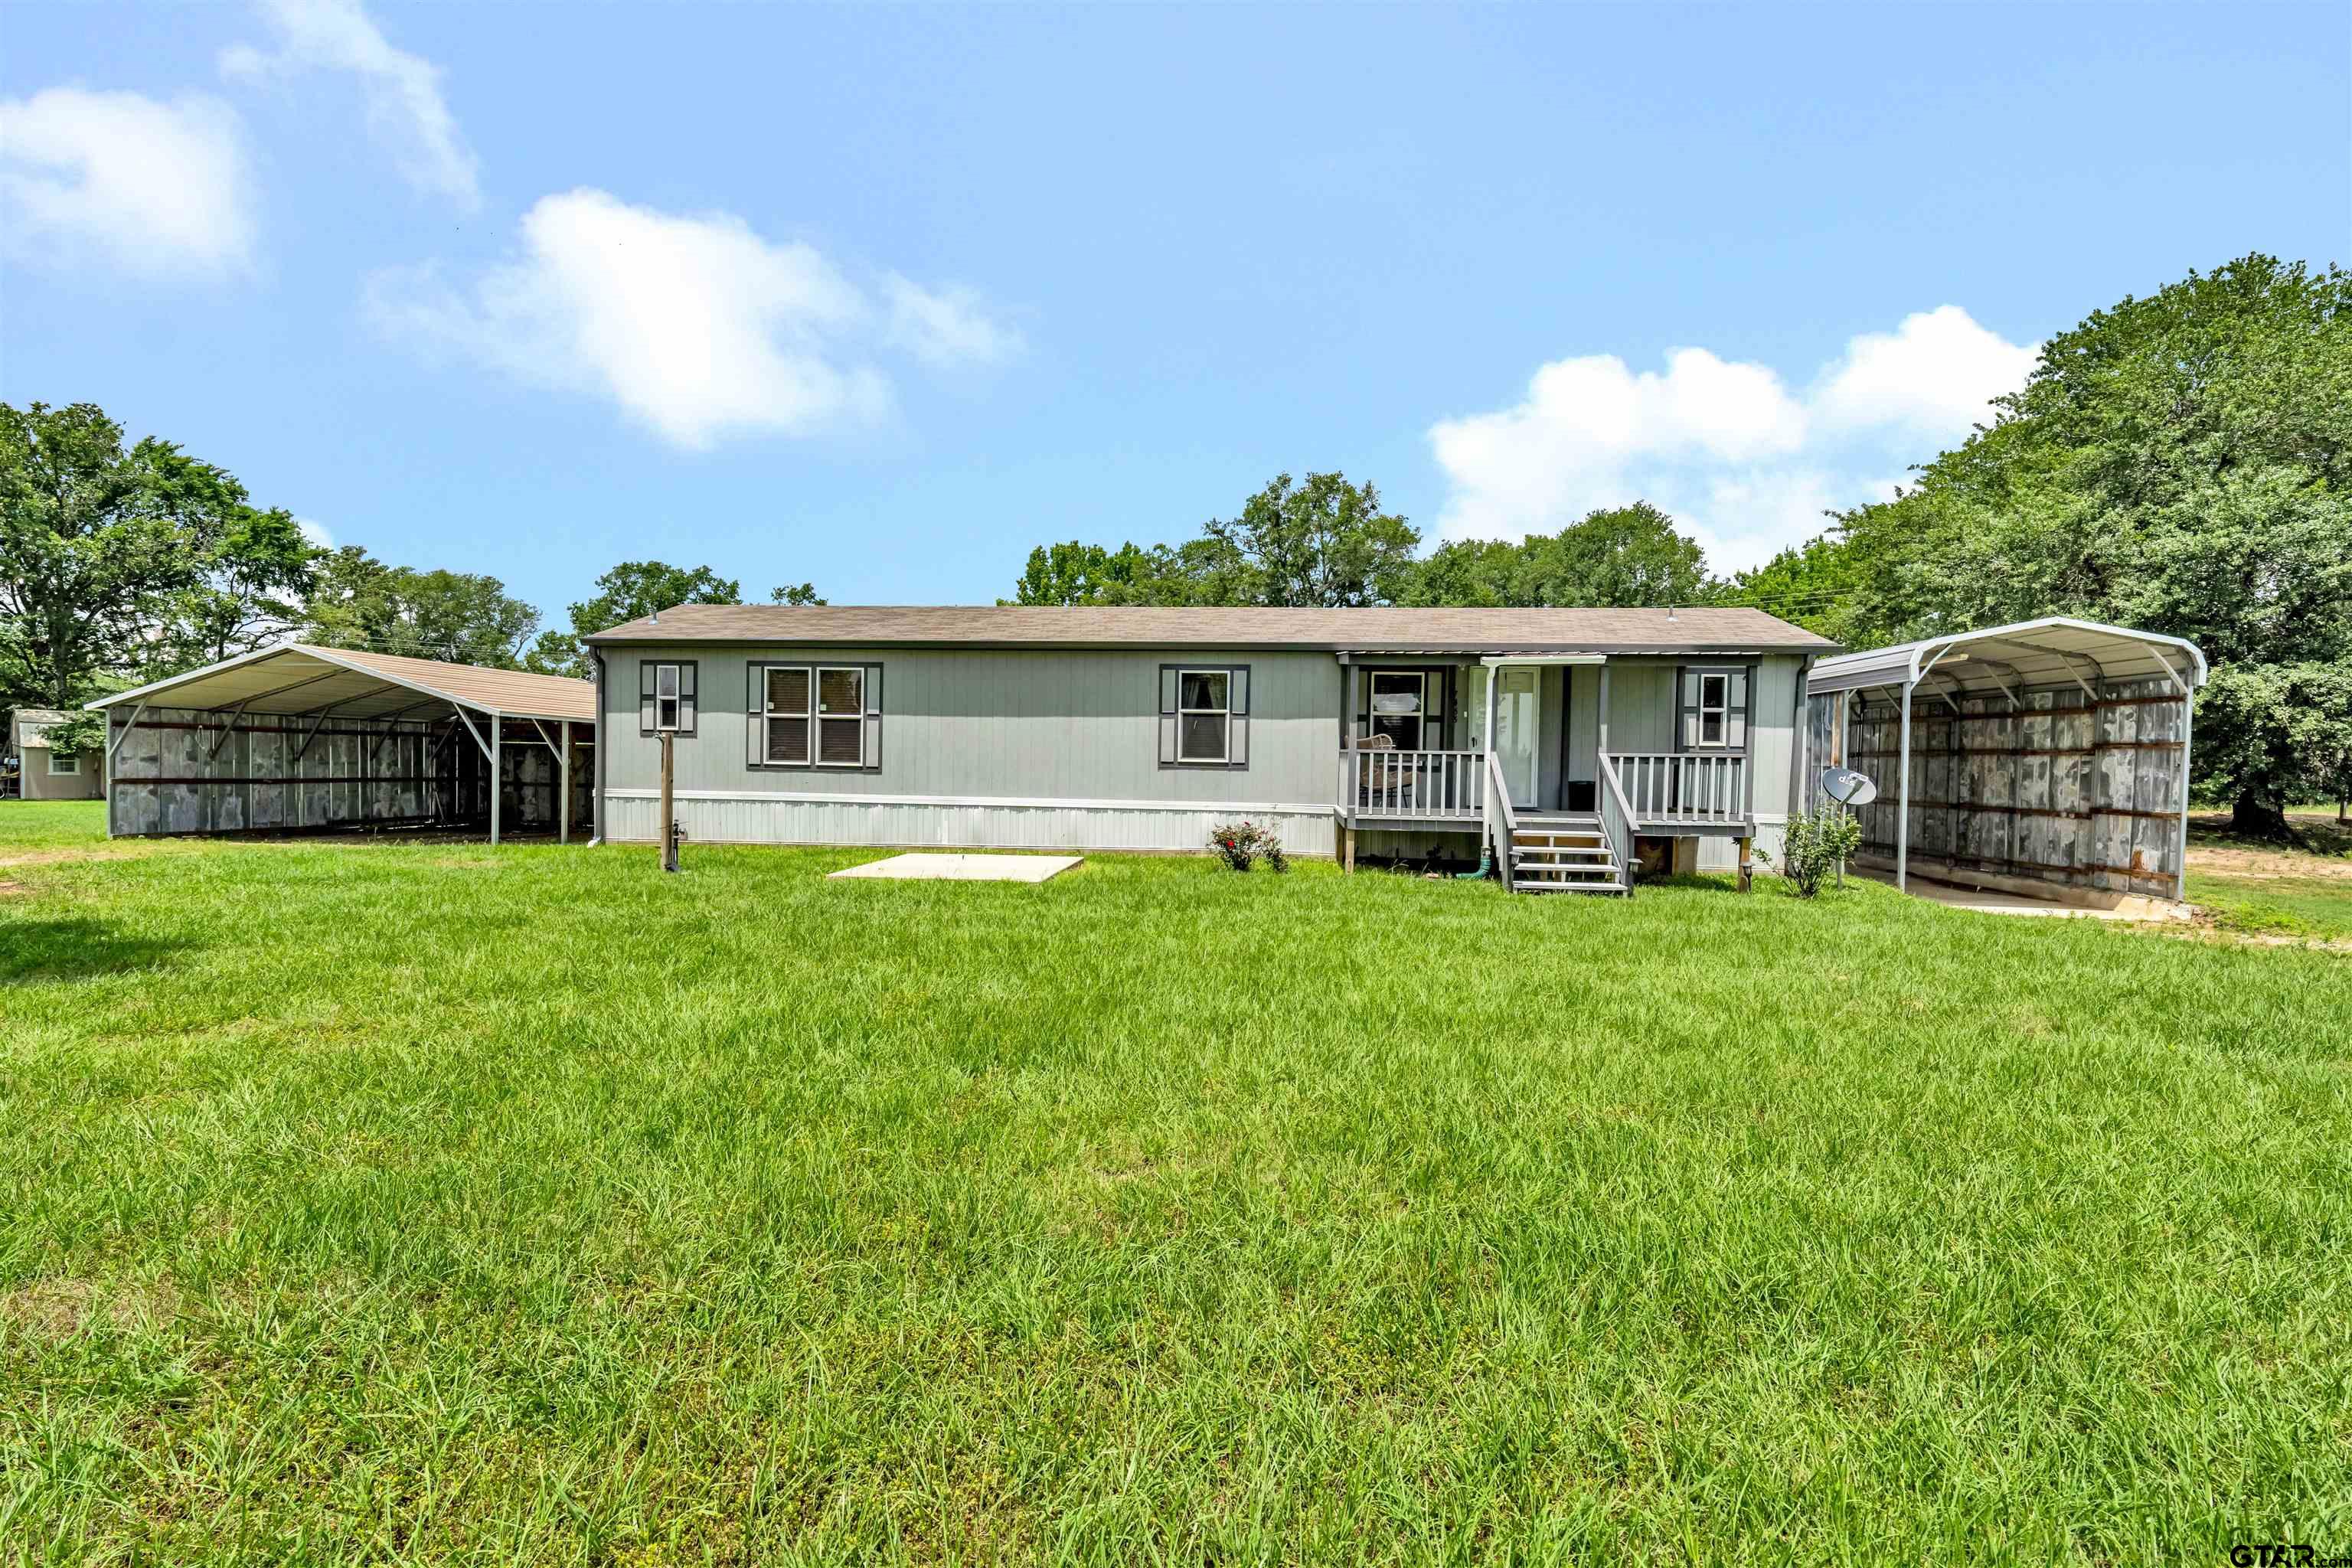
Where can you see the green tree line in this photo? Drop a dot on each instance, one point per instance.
(2178, 462)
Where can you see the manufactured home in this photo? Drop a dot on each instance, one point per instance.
(1566, 745)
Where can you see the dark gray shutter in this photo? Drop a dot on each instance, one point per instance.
(755, 704)
(1686, 709)
(1736, 704)
(1237, 685)
(1364, 680)
(873, 716)
(646, 667)
(686, 698)
(1167, 715)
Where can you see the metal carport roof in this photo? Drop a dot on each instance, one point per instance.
(301, 678)
(2054, 650)
(303, 681)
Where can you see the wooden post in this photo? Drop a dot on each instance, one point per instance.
(1347, 845)
(563, 788)
(668, 809)
(497, 738)
(1746, 871)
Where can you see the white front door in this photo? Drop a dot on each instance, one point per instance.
(1518, 715)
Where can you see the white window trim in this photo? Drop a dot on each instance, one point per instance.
(818, 716)
(1428, 679)
(1721, 708)
(1225, 756)
(72, 761)
(677, 698)
(807, 715)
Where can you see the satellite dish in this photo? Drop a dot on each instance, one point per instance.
(1847, 787)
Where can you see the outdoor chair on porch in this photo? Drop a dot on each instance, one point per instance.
(1379, 784)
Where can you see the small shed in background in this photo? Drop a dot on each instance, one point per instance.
(2045, 754)
(298, 737)
(44, 774)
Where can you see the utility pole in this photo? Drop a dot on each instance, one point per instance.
(668, 808)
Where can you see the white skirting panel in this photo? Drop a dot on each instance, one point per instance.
(635, 815)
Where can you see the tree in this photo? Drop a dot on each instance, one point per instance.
(2181, 462)
(462, 617)
(629, 592)
(1811, 584)
(1323, 543)
(248, 593)
(1622, 555)
(105, 549)
(1081, 573)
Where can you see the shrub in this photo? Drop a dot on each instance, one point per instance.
(1240, 844)
(1814, 845)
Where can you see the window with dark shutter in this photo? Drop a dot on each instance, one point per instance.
(1712, 709)
(666, 697)
(1205, 716)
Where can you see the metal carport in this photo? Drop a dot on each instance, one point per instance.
(2059, 750)
(303, 737)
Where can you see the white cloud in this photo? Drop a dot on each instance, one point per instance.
(1744, 463)
(405, 105)
(315, 533)
(697, 327)
(150, 187)
(946, 326)
(1934, 374)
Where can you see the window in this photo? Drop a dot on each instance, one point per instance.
(65, 761)
(1714, 709)
(841, 716)
(785, 714)
(1714, 702)
(666, 697)
(1204, 725)
(1400, 707)
(1203, 716)
(815, 715)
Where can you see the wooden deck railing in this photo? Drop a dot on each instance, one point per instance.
(1693, 787)
(1617, 822)
(1421, 784)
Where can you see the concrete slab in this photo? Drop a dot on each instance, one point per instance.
(966, 867)
(2123, 906)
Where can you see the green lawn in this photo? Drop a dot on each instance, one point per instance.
(414, 1202)
(2300, 891)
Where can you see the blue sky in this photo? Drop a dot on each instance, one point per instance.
(880, 297)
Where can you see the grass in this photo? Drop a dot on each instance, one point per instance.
(2301, 890)
(377, 1202)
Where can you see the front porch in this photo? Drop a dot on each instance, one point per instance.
(1555, 764)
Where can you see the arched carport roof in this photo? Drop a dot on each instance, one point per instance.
(2056, 650)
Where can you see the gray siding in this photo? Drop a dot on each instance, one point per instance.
(1050, 748)
(967, 724)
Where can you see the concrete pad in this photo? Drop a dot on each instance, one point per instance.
(2114, 906)
(966, 867)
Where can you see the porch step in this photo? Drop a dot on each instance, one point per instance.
(1562, 852)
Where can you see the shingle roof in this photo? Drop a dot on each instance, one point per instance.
(296, 678)
(1387, 629)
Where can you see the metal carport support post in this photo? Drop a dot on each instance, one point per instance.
(1903, 796)
(490, 752)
